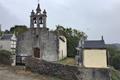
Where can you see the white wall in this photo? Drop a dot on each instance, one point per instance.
(62, 48)
(95, 58)
(5, 44)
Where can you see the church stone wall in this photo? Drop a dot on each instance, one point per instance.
(47, 43)
(24, 44)
(38, 39)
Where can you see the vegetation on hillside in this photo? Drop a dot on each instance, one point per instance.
(5, 57)
(114, 57)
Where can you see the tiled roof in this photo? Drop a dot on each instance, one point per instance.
(6, 36)
(94, 44)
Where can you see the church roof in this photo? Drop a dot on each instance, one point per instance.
(94, 44)
(6, 37)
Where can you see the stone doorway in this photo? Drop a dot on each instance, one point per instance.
(37, 52)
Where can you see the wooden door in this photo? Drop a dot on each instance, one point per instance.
(37, 52)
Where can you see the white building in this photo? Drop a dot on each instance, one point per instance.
(8, 42)
(93, 54)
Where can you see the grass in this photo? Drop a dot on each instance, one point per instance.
(67, 61)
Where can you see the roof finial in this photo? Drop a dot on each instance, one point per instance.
(102, 38)
(38, 7)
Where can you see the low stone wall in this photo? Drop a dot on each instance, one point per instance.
(66, 72)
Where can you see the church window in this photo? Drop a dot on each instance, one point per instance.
(34, 19)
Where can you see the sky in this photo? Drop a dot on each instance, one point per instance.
(94, 17)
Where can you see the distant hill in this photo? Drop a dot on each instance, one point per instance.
(115, 45)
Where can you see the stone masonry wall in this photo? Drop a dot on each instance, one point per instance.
(66, 72)
(46, 42)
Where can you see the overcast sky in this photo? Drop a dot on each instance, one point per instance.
(94, 17)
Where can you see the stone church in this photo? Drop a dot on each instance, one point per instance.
(39, 42)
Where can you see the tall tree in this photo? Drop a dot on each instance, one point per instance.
(73, 36)
(18, 29)
(114, 56)
(6, 31)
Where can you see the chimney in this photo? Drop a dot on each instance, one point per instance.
(102, 38)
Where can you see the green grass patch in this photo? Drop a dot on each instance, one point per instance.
(67, 61)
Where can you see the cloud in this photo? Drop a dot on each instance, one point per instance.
(7, 19)
(95, 17)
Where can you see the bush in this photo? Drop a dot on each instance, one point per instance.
(114, 57)
(5, 57)
(116, 62)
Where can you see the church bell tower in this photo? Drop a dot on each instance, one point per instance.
(38, 18)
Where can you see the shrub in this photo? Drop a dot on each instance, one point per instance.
(5, 57)
(116, 62)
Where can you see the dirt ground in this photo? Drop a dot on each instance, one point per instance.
(10, 73)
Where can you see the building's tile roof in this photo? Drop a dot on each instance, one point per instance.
(6, 37)
(94, 44)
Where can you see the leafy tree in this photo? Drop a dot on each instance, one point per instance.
(5, 57)
(18, 29)
(114, 57)
(1, 32)
(6, 32)
(116, 62)
(73, 36)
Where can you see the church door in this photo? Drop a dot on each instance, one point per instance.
(37, 52)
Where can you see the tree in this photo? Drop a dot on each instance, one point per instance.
(73, 36)
(116, 62)
(114, 57)
(6, 31)
(18, 29)
(1, 32)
